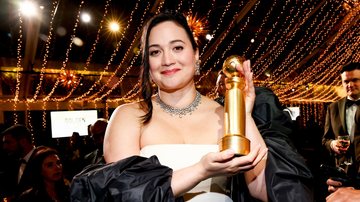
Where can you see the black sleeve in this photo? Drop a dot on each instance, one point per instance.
(132, 179)
(287, 176)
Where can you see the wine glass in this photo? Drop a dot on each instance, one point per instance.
(344, 159)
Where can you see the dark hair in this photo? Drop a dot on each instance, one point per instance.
(18, 132)
(35, 166)
(350, 67)
(146, 87)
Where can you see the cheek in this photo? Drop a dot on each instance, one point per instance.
(154, 63)
(46, 172)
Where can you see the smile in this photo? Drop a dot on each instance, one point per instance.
(169, 72)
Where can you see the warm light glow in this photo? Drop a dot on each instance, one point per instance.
(28, 8)
(68, 79)
(114, 26)
(197, 25)
(209, 37)
(85, 17)
(78, 42)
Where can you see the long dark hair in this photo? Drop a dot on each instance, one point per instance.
(35, 166)
(146, 87)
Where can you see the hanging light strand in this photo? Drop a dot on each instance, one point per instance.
(62, 69)
(92, 51)
(98, 82)
(281, 45)
(332, 59)
(262, 24)
(46, 55)
(292, 60)
(18, 69)
(230, 45)
(258, 67)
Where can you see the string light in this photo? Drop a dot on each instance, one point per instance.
(47, 98)
(97, 83)
(44, 115)
(315, 84)
(46, 54)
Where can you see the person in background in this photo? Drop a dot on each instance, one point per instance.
(18, 144)
(75, 155)
(48, 183)
(97, 133)
(179, 125)
(338, 191)
(340, 119)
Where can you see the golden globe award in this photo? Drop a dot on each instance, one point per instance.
(234, 109)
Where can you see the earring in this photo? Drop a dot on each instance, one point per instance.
(197, 67)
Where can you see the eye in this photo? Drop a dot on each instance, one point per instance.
(178, 48)
(154, 52)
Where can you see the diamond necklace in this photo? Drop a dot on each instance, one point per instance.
(179, 111)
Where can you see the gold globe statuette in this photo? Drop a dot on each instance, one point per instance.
(234, 109)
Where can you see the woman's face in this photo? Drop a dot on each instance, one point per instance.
(171, 56)
(52, 168)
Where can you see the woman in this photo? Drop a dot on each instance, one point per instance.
(47, 177)
(180, 126)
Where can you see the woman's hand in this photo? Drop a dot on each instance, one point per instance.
(225, 162)
(333, 185)
(249, 89)
(344, 194)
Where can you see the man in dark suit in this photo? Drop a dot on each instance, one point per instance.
(17, 143)
(97, 132)
(340, 118)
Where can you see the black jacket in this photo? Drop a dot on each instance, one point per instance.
(134, 179)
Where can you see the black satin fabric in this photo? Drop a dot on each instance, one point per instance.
(132, 179)
(287, 176)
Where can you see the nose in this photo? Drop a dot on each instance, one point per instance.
(59, 166)
(167, 58)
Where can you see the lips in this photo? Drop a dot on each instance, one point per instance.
(170, 71)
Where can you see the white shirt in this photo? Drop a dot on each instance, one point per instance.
(350, 120)
(23, 165)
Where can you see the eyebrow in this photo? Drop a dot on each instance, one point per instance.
(171, 42)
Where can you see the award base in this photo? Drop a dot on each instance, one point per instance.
(238, 143)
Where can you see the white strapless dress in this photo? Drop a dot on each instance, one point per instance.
(177, 156)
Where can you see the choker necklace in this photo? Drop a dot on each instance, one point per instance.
(182, 111)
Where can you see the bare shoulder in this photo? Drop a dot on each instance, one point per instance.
(123, 132)
(130, 110)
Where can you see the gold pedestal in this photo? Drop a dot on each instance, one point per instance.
(238, 143)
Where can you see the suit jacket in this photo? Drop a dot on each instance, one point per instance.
(357, 139)
(335, 125)
(26, 178)
(93, 158)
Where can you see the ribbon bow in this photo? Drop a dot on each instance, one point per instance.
(351, 102)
